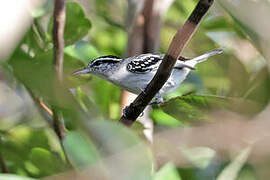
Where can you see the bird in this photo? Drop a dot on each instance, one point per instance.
(134, 73)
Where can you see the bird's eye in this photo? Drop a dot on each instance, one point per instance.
(101, 61)
(94, 63)
(97, 63)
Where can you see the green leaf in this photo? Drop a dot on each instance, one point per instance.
(88, 105)
(13, 177)
(239, 76)
(246, 15)
(231, 171)
(201, 157)
(45, 161)
(105, 94)
(167, 172)
(21, 148)
(80, 150)
(194, 108)
(259, 87)
(82, 50)
(123, 151)
(221, 23)
(77, 25)
(248, 172)
(162, 118)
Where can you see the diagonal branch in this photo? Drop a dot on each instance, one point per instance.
(163, 73)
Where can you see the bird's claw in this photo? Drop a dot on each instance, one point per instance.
(125, 112)
(156, 102)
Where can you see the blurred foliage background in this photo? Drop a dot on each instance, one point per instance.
(214, 126)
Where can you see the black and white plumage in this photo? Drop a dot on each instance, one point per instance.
(144, 64)
(134, 73)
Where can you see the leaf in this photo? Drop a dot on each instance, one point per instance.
(221, 23)
(104, 95)
(46, 161)
(88, 105)
(201, 157)
(162, 118)
(167, 172)
(13, 177)
(77, 25)
(82, 50)
(231, 171)
(80, 150)
(259, 87)
(110, 41)
(194, 108)
(125, 155)
(22, 147)
(239, 77)
(246, 15)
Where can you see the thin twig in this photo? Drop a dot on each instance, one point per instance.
(46, 113)
(58, 124)
(163, 73)
(45, 107)
(58, 41)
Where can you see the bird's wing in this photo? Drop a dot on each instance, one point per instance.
(144, 63)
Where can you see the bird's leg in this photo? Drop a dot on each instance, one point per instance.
(125, 112)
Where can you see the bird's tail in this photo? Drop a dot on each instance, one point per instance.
(208, 54)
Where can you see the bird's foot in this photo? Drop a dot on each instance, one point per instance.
(125, 112)
(156, 102)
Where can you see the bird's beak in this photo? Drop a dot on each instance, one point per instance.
(81, 71)
(190, 67)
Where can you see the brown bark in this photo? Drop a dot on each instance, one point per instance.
(58, 35)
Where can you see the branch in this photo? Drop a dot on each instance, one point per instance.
(42, 108)
(3, 165)
(163, 73)
(58, 41)
(153, 13)
(58, 35)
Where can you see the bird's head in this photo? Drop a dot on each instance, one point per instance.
(99, 66)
